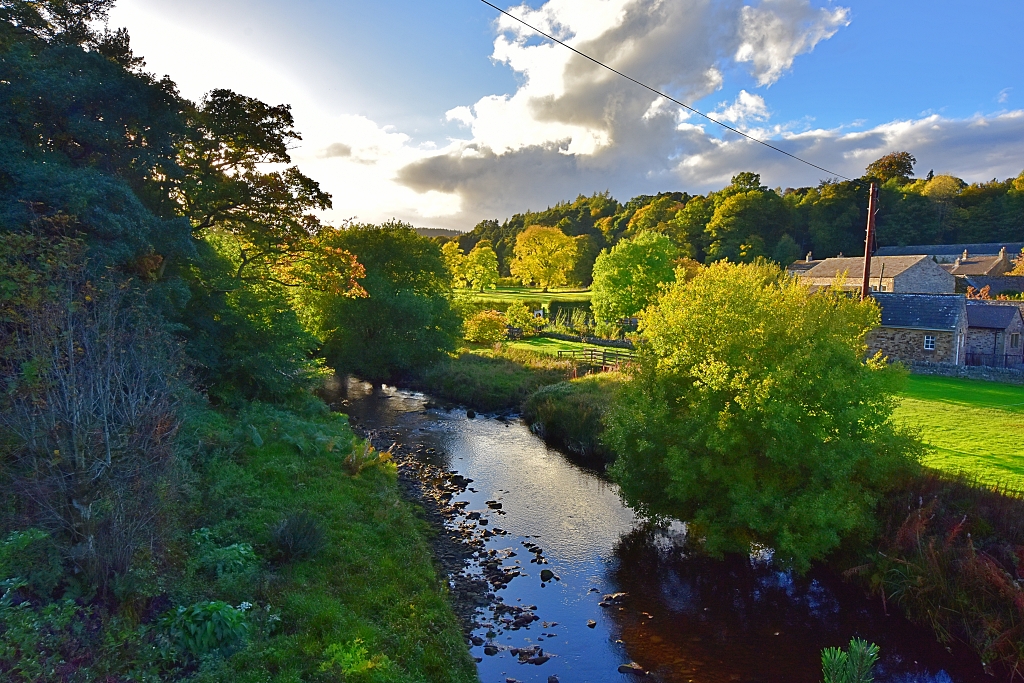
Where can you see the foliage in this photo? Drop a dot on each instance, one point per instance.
(298, 536)
(205, 627)
(754, 417)
(455, 262)
(519, 315)
(407, 320)
(893, 166)
(949, 553)
(627, 279)
(854, 665)
(363, 456)
(481, 266)
(351, 660)
(30, 559)
(486, 327)
(87, 421)
(545, 256)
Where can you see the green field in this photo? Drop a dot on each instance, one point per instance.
(507, 295)
(548, 346)
(972, 426)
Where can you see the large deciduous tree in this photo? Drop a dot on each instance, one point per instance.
(405, 321)
(544, 256)
(895, 165)
(482, 266)
(754, 416)
(627, 278)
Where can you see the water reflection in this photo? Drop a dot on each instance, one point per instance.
(684, 618)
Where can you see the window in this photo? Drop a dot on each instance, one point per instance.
(929, 342)
(1015, 340)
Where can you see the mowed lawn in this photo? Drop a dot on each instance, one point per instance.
(973, 426)
(509, 295)
(546, 345)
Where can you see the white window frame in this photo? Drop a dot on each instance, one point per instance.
(1015, 340)
(929, 342)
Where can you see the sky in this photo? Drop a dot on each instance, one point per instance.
(445, 113)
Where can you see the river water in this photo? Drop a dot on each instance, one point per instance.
(682, 618)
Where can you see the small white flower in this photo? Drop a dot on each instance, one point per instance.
(245, 606)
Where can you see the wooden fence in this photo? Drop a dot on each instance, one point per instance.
(607, 359)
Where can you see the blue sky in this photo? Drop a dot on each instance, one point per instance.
(437, 114)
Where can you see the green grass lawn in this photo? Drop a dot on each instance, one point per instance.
(973, 426)
(546, 345)
(509, 295)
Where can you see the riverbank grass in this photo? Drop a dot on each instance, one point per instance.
(366, 604)
(972, 426)
(570, 414)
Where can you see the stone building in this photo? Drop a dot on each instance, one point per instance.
(994, 335)
(973, 264)
(899, 274)
(997, 284)
(921, 327)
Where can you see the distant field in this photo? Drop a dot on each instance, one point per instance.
(974, 426)
(511, 294)
(548, 346)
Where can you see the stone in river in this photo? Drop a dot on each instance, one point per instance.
(591, 623)
(470, 414)
(546, 575)
(490, 650)
(632, 668)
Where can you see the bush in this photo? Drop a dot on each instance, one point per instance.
(486, 327)
(31, 558)
(754, 416)
(856, 664)
(519, 315)
(206, 627)
(298, 536)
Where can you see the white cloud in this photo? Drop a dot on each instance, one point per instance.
(1004, 96)
(745, 107)
(777, 31)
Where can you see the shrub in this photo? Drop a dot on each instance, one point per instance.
(298, 536)
(486, 327)
(856, 664)
(519, 315)
(353, 662)
(571, 414)
(88, 421)
(206, 627)
(31, 558)
(364, 456)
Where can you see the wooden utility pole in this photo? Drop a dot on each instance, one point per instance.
(869, 241)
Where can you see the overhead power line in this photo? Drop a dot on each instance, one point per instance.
(661, 94)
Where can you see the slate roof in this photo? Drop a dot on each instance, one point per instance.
(997, 284)
(990, 316)
(800, 266)
(854, 267)
(988, 249)
(941, 312)
(977, 265)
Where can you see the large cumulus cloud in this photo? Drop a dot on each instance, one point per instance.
(572, 126)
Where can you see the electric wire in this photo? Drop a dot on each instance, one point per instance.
(661, 94)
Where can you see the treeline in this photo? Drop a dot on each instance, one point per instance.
(175, 500)
(746, 220)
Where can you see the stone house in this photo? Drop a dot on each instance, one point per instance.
(921, 327)
(973, 264)
(994, 335)
(900, 274)
(997, 284)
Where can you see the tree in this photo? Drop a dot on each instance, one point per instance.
(754, 416)
(743, 223)
(786, 251)
(481, 267)
(519, 315)
(486, 327)
(404, 323)
(455, 262)
(898, 165)
(627, 278)
(544, 256)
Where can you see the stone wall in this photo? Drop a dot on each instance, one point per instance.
(925, 277)
(1005, 375)
(908, 345)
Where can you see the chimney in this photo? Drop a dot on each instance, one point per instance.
(1002, 252)
(810, 256)
(965, 254)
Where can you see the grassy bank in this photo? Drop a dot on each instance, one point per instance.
(972, 426)
(301, 563)
(570, 414)
(367, 604)
(488, 379)
(546, 345)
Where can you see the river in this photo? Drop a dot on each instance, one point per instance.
(682, 617)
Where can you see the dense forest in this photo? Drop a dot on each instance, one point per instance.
(746, 219)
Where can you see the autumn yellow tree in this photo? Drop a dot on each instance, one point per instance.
(544, 256)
